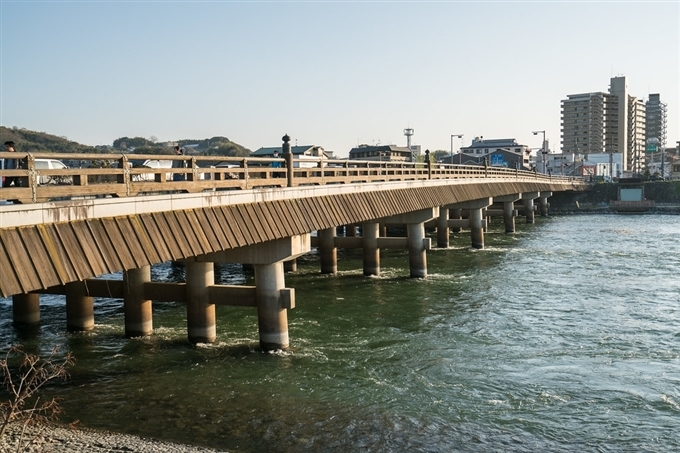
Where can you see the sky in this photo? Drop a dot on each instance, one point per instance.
(330, 73)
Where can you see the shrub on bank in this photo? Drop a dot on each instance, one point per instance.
(23, 376)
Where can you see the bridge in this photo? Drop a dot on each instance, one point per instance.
(68, 227)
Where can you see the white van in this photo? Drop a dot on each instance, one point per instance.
(46, 164)
(157, 163)
(52, 164)
(154, 163)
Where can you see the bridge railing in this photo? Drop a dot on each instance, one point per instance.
(102, 175)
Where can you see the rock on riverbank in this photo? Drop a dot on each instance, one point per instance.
(58, 439)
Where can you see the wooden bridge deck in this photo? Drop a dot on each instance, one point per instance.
(58, 242)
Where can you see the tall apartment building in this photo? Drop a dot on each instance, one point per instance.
(656, 120)
(605, 123)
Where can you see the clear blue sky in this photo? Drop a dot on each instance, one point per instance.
(334, 74)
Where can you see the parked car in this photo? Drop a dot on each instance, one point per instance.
(157, 163)
(224, 164)
(52, 164)
(2, 167)
(154, 163)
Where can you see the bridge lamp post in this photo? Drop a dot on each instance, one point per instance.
(543, 151)
(460, 136)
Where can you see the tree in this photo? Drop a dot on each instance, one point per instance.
(127, 142)
(440, 154)
(23, 375)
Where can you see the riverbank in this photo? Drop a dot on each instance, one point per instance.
(665, 194)
(599, 209)
(59, 439)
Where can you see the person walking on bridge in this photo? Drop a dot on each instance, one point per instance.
(277, 164)
(178, 164)
(11, 164)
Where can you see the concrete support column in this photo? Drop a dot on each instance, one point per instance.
(371, 251)
(543, 203)
(271, 317)
(79, 308)
(138, 312)
(477, 228)
(351, 231)
(508, 210)
(443, 228)
(476, 210)
(200, 313)
(417, 256)
(528, 201)
(509, 216)
(290, 265)
(455, 214)
(327, 251)
(529, 209)
(26, 309)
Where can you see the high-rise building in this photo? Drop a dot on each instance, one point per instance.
(656, 120)
(599, 122)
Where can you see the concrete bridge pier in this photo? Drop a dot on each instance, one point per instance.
(443, 228)
(528, 199)
(272, 299)
(477, 228)
(477, 221)
(138, 310)
(26, 309)
(79, 308)
(455, 214)
(543, 203)
(417, 243)
(201, 326)
(272, 318)
(417, 256)
(509, 216)
(369, 231)
(508, 210)
(290, 265)
(328, 251)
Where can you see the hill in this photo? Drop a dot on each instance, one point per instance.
(41, 142)
(214, 146)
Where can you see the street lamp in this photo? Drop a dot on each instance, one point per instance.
(543, 151)
(460, 136)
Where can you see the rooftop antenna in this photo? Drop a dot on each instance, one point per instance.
(408, 132)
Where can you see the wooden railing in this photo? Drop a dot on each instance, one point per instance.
(102, 175)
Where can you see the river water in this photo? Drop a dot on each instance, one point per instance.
(562, 337)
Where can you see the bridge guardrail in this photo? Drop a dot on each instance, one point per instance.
(116, 175)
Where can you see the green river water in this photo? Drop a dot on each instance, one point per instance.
(562, 337)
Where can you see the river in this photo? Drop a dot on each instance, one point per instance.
(562, 337)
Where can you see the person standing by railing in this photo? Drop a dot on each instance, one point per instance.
(178, 164)
(11, 164)
(277, 164)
